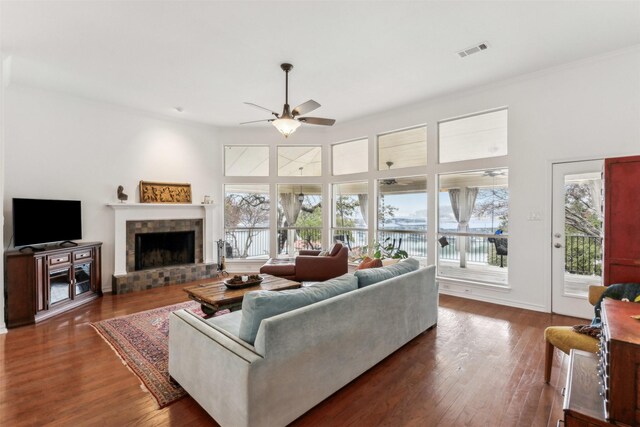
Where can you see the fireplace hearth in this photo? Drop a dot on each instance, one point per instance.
(164, 249)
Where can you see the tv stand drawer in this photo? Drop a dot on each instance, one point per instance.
(82, 255)
(59, 259)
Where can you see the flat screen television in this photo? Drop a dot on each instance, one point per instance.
(37, 221)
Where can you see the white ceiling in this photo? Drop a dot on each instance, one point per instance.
(355, 58)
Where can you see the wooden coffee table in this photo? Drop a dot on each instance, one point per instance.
(216, 296)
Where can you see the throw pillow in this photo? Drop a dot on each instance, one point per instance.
(375, 275)
(369, 263)
(259, 305)
(323, 253)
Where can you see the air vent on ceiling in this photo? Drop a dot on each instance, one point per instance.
(473, 49)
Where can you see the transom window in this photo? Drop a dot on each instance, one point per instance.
(402, 149)
(473, 137)
(299, 161)
(246, 160)
(350, 157)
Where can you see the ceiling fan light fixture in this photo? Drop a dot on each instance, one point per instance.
(286, 126)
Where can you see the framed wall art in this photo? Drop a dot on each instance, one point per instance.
(164, 192)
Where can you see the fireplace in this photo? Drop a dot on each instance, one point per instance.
(164, 249)
(167, 262)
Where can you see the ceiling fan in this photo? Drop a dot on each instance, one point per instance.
(391, 181)
(290, 120)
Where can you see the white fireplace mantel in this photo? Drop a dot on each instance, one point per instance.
(158, 211)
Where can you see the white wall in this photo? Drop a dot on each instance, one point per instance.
(584, 110)
(62, 147)
(4, 82)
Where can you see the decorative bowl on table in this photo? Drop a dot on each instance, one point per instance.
(236, 282)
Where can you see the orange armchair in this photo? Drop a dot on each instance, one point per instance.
(565, 338)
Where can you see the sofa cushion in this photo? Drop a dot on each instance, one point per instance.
(323, 253)
(374, 275)
(258, 305)
(369, 263)
(229, 322)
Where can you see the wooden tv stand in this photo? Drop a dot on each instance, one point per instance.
(41, 284)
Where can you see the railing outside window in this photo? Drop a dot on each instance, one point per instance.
(412, 241)
(301, 238)
(353, 238)
(243, 243)
(479, 248)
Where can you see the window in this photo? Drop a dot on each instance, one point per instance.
(474, 137)
(402, 214)
(246, 160)
(246, 221)
(299, 218)
(350, 215)
(350, 157)
(402, 149)
(473, 221)
(299, 161)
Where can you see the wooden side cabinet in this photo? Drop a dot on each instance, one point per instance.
(603, 389)
(583, 405)
(39, 285)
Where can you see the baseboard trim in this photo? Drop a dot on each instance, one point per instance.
(499, 301)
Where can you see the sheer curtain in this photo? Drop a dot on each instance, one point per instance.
(291, 207)
(363, 200)
(463, 201)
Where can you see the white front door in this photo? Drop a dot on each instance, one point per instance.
(577, 235)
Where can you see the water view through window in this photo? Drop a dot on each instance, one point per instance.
(473, 225)
(402, 214)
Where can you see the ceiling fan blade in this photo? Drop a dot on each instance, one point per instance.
(262, 108)
(305, 108)
(256, 121)
(317, 121)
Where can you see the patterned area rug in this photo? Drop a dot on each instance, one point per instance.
(142, 342)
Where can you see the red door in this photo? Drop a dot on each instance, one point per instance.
(622, 220)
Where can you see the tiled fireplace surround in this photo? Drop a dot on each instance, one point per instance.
(130, 220)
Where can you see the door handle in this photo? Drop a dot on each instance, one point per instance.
(557, 245)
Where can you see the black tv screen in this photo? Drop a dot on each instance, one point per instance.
(43, 221)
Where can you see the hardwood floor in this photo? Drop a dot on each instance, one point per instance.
(481, 366)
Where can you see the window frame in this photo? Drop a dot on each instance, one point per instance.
(466, 116)
(331, 155)
(224, 160)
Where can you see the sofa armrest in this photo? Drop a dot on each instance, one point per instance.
(309, 252)
(203, 359)
(214, 333)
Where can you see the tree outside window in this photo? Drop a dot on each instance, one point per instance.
(246, 220)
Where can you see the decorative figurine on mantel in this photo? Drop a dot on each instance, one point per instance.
(121, 196)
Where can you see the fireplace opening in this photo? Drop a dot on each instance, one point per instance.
(155, 250)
